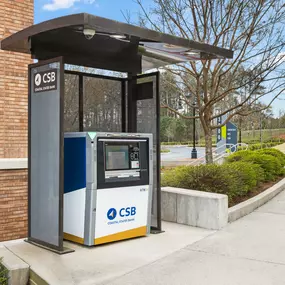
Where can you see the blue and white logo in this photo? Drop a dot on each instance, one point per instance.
(111, 214)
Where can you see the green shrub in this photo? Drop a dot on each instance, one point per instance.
(176, 177)
(241, 173)
(274, 152)
(244, 176)
(270, 164)
(255, 146)
(233, 179)
(238, 156)
(3, 274)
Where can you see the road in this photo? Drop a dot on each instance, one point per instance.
(180, 153)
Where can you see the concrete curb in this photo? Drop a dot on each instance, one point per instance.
(35, 279)
(18, 270)
(171, 163)
(194, 208)
(242, 209)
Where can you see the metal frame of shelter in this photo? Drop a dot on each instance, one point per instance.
(115, 46)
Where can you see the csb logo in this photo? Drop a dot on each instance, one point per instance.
(38, 79)
(123, 212)
(44, 78)
(111, 214)
(129, 211)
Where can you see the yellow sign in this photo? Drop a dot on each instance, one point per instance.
(224, 132)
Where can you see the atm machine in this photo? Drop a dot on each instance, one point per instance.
(108, 180)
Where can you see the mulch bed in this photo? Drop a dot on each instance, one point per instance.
(262, 187)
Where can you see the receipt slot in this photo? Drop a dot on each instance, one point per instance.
(107, 186)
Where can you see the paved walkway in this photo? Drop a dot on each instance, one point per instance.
(281, 147)
(103, 264)
(250, 251)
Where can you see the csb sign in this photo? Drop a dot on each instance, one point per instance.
(45, 80)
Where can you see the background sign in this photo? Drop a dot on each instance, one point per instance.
(45, 153)
(231, 134)
(221, 135)
(226, 135)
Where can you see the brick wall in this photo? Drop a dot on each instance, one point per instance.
(13, 204)
(14, 16)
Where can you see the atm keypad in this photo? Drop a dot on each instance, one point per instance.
(134, 157)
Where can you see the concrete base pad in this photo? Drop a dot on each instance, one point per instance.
(101, 264)
(64, 251)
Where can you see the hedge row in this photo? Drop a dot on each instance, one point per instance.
(187, 143)
(242, 172)
(262, 145)
(252, 144)
(257, 141)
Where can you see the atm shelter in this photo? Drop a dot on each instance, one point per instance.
(97, 75)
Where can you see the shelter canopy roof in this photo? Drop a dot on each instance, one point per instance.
(115, 46)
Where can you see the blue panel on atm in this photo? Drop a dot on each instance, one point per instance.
(74, 164)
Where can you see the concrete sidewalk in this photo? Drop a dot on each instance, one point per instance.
(250, 251)
(102, 264)
(281, 147)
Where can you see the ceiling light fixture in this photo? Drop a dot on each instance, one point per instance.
(190, 53)
(118, 37)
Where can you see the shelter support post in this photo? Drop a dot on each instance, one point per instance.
(132, 104)
(123, 103)
(158, 158)
(80, 103)
(147, 120)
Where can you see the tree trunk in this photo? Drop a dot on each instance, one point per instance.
(240, 130)
(208, 145)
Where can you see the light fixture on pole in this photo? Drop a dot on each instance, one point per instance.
(194, 150)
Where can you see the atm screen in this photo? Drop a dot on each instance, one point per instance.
(117, 157)
(122, 161)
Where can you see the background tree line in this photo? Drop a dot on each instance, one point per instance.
(254, 30)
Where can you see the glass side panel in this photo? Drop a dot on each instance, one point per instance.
(146, 123)
(71, 103)
(102, 105)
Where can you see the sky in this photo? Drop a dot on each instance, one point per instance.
(112, 9)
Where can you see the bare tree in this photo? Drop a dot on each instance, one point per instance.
(253, 29)
(71, 105)
(101, 103)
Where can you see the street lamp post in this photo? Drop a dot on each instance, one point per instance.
(194, 151)
(260, 127)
